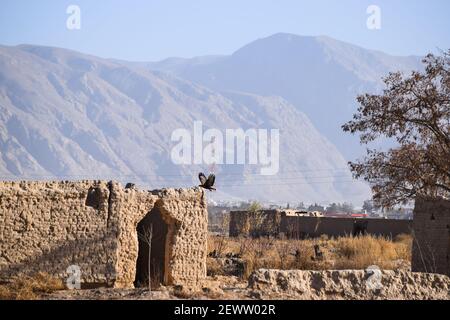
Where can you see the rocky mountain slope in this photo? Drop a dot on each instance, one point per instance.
(320, 76)
(68, 115)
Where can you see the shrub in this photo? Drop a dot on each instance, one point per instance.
(30, 287)
(340, 253)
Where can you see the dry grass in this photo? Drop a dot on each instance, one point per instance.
(30, 287)
(340, 253)
(361, 252)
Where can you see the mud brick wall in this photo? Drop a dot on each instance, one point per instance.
(186, 215)
(48, 226)
(339, 227)
(238, 223)
(316, 226)
(431, 231)
(264, 223)
(299, 227)
(388, 227)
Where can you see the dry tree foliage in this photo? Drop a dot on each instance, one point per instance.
(415, 112)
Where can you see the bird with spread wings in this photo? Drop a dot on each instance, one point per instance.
(207, 183)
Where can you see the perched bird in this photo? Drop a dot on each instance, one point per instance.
(207, 183)
(130, 185)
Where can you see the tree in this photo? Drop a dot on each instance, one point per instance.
(254, 207)
(333, 208)
(146, 236)
(301, 206)
(347, 207)
(368, 206)
(316, 207)
(337, 207)
(415, 112)
(256, 219)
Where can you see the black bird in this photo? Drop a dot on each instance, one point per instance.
(130, 185)
(207, 183)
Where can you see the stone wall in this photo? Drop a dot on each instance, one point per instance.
(431, 230)
(48, 226)
(348, 285)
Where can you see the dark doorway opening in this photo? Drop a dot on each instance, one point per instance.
(151, 229)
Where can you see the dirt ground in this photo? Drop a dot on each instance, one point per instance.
(219, 287)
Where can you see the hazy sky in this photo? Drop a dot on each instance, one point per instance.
(153, 30)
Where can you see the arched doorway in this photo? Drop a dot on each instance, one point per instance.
(151, 230)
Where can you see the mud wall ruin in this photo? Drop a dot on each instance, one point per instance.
(260, 223)
(431, 236)
(300, 226)
(49, 226)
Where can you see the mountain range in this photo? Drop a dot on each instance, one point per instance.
(320, 76)
(69, 115)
